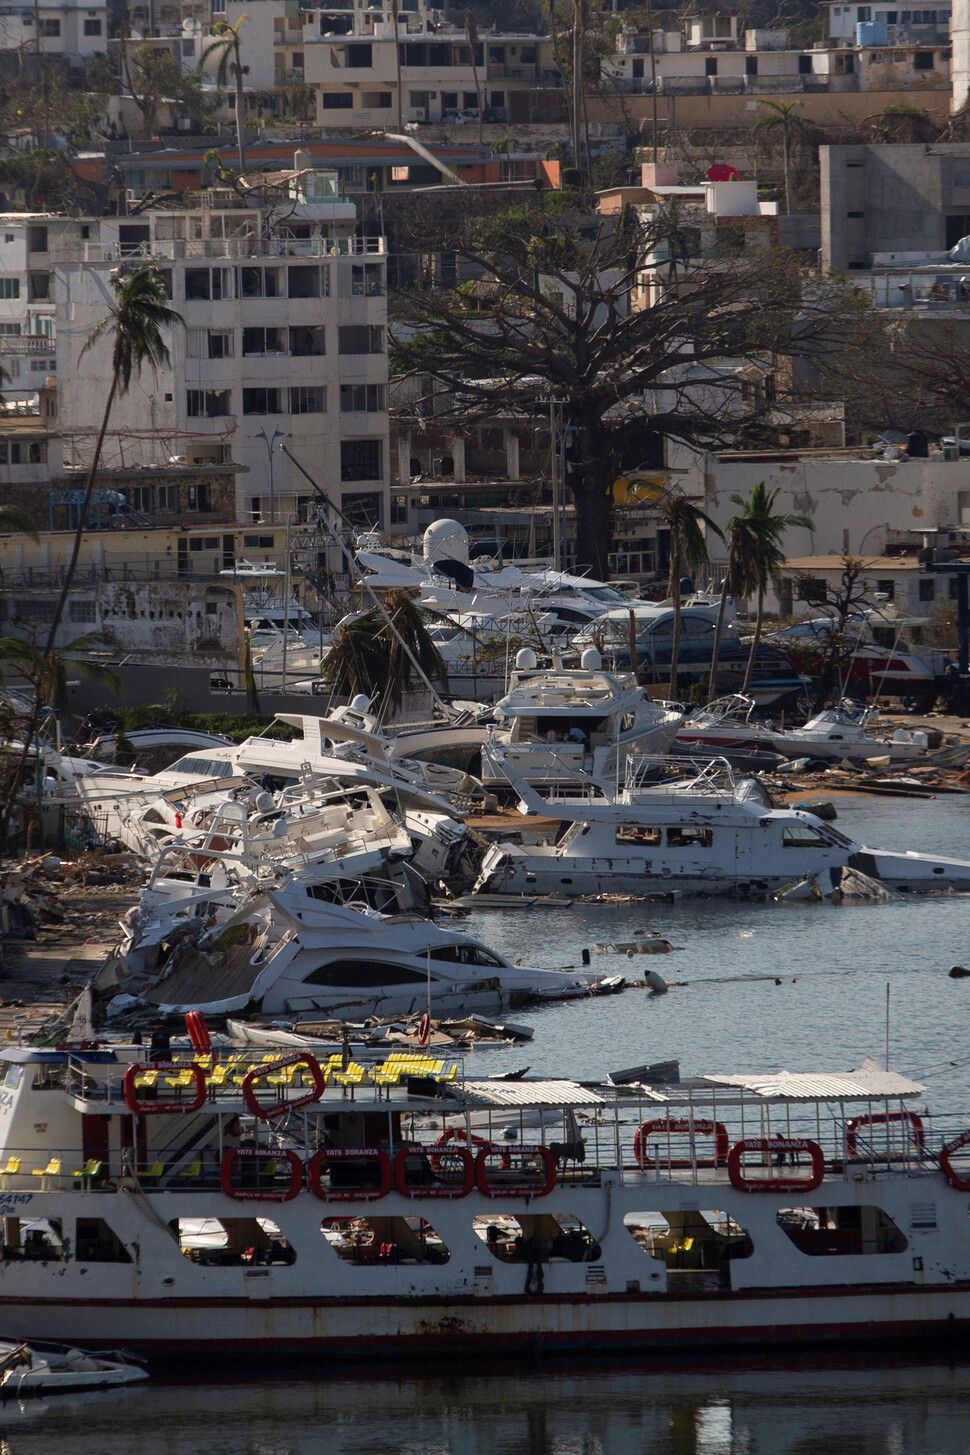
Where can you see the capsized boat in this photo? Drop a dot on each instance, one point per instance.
(217, 1202)
(704, 831)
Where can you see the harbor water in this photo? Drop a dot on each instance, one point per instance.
(756, 987)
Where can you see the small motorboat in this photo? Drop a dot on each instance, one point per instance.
(56, 1368)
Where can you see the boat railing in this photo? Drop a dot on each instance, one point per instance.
(703, 774)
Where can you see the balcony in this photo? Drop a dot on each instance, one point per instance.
(178, 249)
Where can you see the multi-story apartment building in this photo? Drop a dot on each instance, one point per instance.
(54, 28)
(284, 342)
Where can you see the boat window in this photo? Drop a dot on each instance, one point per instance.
(802, 836)
(634, 833)
(690, 836)
(540, 1238)
(697, 1247)
(36, 1242)
(466, 955)
(824, 1232)
(203, 767)
(10, 1073)
(400, 1240)
(50, 1077)
(364, 974)
(95, 1242)
(231, 1242)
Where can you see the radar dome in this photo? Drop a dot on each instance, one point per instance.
(360, 703)
(591, 661)
(526, 660)
(446, 540)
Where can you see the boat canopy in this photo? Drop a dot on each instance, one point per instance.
(869, 1083)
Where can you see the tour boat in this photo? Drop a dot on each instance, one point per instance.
(703, 832)
(213, 1202)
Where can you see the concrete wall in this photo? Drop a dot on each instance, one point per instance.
(851, 501)
(821, 108)
(960, 63)
(890, 199)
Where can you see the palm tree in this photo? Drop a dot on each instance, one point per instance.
(140, 313)
(738, 581)
(226, 46)
(765, 556)
(471, 33)
(688, 551)
(366, 656)
(781, 116)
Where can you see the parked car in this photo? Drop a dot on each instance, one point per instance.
(459, 117)
(492, 115)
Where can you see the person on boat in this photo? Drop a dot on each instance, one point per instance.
(576, 735)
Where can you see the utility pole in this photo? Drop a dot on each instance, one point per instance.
(554, 460)
(578, 160)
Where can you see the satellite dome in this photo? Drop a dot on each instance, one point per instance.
(446, 540)
(591, 661)
(360, 703)
(525, 660)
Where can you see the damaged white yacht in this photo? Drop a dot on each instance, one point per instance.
(701, 832)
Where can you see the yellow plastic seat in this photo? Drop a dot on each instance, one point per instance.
(53, 1169)
(155, 1171)
(193, 1169)
(91, 1168)
(12, 1167)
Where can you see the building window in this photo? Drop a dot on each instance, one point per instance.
(337, 101)
(39, 287)
(360, 460)
(198, 499)
(92, 27)
(259, 341)
(23, 452)
(927, 590)
(399, 510)
(368, 280)
(359, 57)
(308, 399)
(82, 612)
(923, 61)
(140, 498)
(168, 499)
(308, 342)
(50, 28)
(751, 65)
(262, 401)
(207, 403)
(361, 339)
(376, 100)
(362, 512)
(710, 66)
(205, 343)
(361, 398)
(261, 283)
(261, 543)
(804, 65)
(10, 330)
(308, 282)
(9, 287)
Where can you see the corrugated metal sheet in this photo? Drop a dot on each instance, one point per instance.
(871, 1082)
(525, 1094)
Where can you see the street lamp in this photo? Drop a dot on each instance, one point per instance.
(278, 434)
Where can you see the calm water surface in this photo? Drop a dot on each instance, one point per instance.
(724, 1013)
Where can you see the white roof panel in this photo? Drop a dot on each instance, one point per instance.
(870, 1082)
(562, 1094)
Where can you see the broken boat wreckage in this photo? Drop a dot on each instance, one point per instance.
(312, 912)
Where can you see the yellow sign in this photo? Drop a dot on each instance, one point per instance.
(637, 489)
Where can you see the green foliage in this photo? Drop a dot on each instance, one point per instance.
(140, 313)
(366, 656)
(153, 77)
(235, 726)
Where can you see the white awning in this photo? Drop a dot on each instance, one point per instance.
(555, 1094)
(870, 1083)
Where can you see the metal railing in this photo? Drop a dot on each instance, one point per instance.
(177, 249)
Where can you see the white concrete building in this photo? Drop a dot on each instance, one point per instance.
(284, 343)
(54, 28)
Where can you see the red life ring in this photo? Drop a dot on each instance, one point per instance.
(260, 1194)
(424, 1029)
(881, 1119)
(527, 1189)
(198, 1031)
(161, 1108)
(349, 1154)
(454, 1189)
(272, 1068)
(962, 1184)
(451, 1134)
(780, 1146)
(682, 1124)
